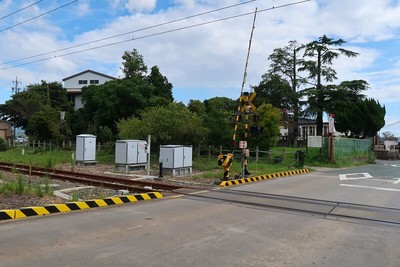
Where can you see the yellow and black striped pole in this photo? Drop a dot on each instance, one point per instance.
(242, 95)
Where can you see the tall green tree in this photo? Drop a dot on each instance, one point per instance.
(163, 88)
(106, 104)
(319, 56)
(172, 124)
(20, 108)
(270, 121)
(218, 120)
(339, 97)
(360, 118)
(45, 125)
(115, 100)
(286, 62)
(274, 90)
(37, 105)
(133, 64)
(197, 106)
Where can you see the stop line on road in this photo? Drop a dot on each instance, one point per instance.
(354, 176)
(365, 175)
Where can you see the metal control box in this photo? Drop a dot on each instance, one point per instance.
(176, 156)
(130, 152)
(85, 148)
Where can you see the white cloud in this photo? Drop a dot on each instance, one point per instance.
(140, 5)
(83, 8)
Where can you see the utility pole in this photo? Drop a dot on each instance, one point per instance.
(15, 88)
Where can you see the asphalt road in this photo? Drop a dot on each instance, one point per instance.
(199, 231)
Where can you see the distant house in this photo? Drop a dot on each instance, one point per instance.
(307, 127)
(5, 130)
(74, 84)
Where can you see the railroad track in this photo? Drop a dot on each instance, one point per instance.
(325, 209)
(89, 178)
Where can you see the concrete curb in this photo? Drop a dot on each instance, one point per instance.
(78, 205)
(262, 177)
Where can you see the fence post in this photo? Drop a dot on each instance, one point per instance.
(257, 154)
(283, 155)
(209, 152)
(269, 153)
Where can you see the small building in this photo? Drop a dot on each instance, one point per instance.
(74, 84)
(5, 130)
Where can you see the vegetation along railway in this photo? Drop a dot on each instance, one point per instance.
(89, 178)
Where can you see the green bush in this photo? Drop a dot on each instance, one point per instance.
(3, 146)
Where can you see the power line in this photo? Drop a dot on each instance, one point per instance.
(38, 16)
(149, 35)
(130, 32)
(19, 10)
(391, 124)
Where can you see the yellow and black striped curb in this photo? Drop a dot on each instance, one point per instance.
(72, 206)
(261, 177)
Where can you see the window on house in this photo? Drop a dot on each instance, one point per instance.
(94, 81)
(82, 81)
(325, 130)
(305, 131)
(312, 131)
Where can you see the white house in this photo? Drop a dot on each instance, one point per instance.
(73, 84)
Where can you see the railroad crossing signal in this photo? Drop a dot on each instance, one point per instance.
(247, 98)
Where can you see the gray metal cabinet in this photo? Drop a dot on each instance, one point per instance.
(130, 152)
(85, 147)
(176, 156)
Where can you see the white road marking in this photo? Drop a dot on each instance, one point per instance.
(371, 187)
(397, 181)
(134, 227)
(392, 165)
(365, 175)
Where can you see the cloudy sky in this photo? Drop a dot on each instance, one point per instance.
(200, 45)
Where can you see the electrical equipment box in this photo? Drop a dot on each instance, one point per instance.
(128, 152)
(85, 148)
(176, 156)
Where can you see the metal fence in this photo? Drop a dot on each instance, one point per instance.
(277, 155)
(345, 148)
(66, 145)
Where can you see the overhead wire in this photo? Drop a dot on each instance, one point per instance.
(145, 36)
(38, 16)
(21, 9)
(130, 32)
(391, 124)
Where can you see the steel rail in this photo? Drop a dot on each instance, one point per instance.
(332, 214)
(88, 178)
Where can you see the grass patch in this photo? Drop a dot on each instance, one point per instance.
(21, 186)
(36, 157)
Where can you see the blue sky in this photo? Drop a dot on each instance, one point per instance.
(205, 61)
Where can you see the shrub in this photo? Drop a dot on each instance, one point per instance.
(3, 146)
